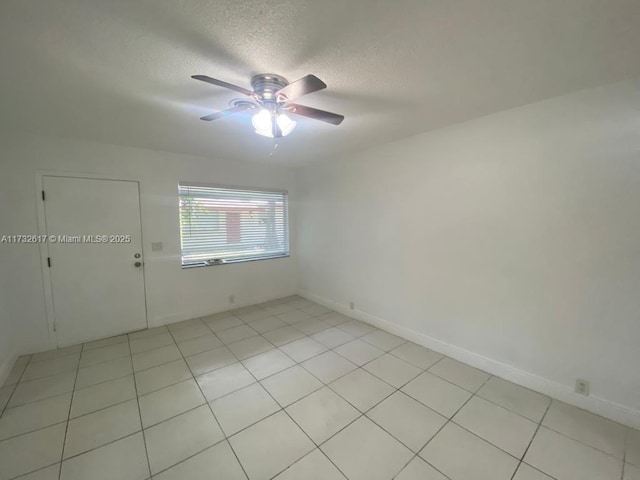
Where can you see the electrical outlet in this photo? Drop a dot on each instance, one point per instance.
(352, 306)
(582, 386)
(232, 299)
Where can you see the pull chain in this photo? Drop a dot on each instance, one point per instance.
(275, 147)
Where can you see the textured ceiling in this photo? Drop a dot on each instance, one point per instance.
(118, 71)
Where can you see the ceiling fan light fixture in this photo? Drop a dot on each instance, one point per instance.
(262, 123)
(286, 124)
(272, 96)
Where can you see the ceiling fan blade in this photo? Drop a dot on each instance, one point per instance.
(316, 114)
(220, 83)
(303, 86)
(227, 112)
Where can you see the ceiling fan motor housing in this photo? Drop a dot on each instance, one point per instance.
(267, 84)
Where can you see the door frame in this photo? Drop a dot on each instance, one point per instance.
(47, 284)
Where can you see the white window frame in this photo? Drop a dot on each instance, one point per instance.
(211, 262)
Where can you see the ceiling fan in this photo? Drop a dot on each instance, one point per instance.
(272, 97)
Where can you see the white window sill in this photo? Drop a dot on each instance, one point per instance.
(231, 261)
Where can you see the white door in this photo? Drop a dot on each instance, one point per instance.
(95, 252)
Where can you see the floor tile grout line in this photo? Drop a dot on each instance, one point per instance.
(477, 394)
(537, 469)
(125, 339)
(135, 386)
(20, 378)
(335, 379)
(581, 442)
(332, 349)
(38, 400)
(57, 357)
(364, 414)
(78, 367)
(225, 344)
(79, 454)
(34, 430)
(102, 408)
(47, 376)
(15, 386)
(326, 384)
(411, 363)
(159, 364)
(259, 382)
(269, 376)
(222, 440)
(128, 336)
(449, 382)
(23, 475)
(300, 363)
(449, 420)
(147, 333)
(66, 430)
(482, 438)
(152, 349)
(141, 430)
(624, 453)
(390, 433)
(282, 409)
(531, 442)
(105, 408)
(110, 359)
(82, 367)
(361, 414)
(191, 409)
(428, 370)
(225, 438)
(110, 442)
(104, 381)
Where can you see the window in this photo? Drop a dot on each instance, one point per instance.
(220, 225)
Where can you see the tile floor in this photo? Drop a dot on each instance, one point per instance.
(288, 390)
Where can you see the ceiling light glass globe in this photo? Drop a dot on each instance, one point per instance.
(286, 124)
(262, 123)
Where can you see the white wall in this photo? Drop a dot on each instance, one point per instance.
(172, 293)
(511, 242)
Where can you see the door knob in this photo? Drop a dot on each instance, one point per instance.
(138, 264)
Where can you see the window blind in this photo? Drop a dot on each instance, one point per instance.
(219, 224)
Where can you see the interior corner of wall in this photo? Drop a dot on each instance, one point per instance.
(6, 364)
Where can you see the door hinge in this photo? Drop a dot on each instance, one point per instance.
(49, 262)
(43, 195)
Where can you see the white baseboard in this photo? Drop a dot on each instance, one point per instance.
(203, 312)
(599, 406)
